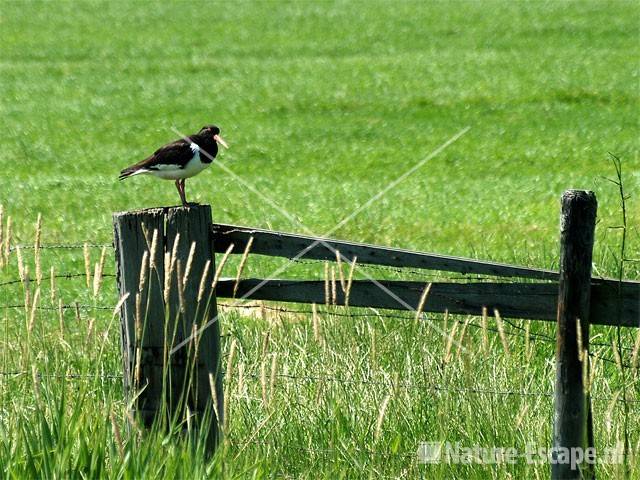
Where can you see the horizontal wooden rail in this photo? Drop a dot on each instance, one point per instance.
(288, 245)
(513, 300)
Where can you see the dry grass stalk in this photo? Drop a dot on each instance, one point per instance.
(347, 293)
(23, 273)
(485, 329)
(243, 261)
(462, 336)
(316, 322)
(327, 297)
(169, 268)
(271, 320)
(263, 382)
(220, 266)
(381, 414)
(181, 300)
(21, 266)
(167, 278)
(503, 337)
(154, 249)
(423, 300)
(240, 378)
(174, 249)
(76, 306)
(142, 282)
(272, 380)
(187, 270)
(117, 434)
(583, 353)
(90, 326)
(334, 290)
(61, 317)
(99, 268)
(203, 280)
(34, 307)
(343, 284)
(450, 340)
(116, 309)
(194, 341)
(36, 249)
(188, 416)
(87, 264)
(214, 397)
(138, 320)
(138, 368)
(265, 342)
(52, 285)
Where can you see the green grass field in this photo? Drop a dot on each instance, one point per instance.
(323, 105)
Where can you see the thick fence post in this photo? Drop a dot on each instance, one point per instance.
(165, 268)
(572, 429)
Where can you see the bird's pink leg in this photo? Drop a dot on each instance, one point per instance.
(184, 181)
(184, 194)
(180, 187)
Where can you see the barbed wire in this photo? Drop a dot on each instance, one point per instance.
(75, 376)
(57, 276)
(63, 307)
(411, 316)
(534, 336)
(60, 246)
(430, 387)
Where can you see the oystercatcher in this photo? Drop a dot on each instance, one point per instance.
(181, 159)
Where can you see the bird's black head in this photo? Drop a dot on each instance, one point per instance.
(211, 131)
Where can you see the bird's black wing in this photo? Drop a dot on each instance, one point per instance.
(177, 153)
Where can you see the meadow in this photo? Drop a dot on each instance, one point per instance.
(323, 105)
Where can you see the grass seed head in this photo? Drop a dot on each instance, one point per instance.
(52, 286)
(36, 249)
(87, 264)
(243, 261)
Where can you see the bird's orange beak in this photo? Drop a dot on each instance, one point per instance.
(219, 139)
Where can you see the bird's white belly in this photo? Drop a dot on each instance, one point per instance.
(174, 172)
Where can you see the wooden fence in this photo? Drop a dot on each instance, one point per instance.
(166, 261)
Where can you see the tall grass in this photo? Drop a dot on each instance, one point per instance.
(323, 391)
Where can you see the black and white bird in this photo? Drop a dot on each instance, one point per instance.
(181, 159)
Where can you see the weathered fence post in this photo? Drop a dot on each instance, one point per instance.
(573, 429)
(165, 264)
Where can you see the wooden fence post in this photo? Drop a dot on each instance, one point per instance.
(165, 264)
(572, 428)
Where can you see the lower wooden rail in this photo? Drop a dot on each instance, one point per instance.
(536, 301)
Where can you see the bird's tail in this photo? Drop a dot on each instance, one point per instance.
(125, 174)
(130, 172)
